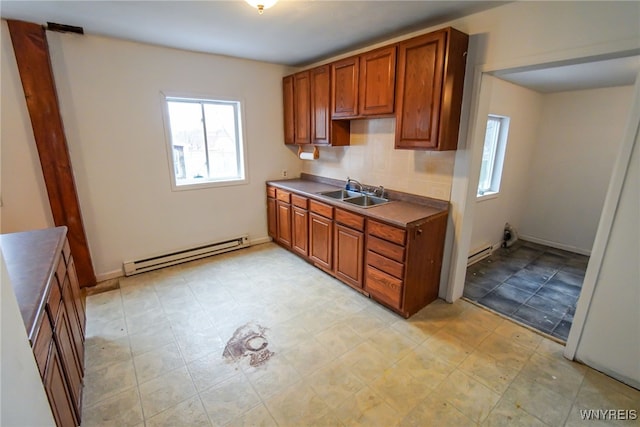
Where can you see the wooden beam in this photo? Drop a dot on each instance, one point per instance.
(32, 56)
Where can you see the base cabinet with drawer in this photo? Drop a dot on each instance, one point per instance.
(321, 234)
(43, 276)
(349, 247)
(398, 267)
(403, 264)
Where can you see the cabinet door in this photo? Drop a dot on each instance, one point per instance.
(284, 223)
(377, 81)
(74, 321)
(65, 345)
(320, 240)
(320, 94)
(348, 255)
(419, 91)
(287, 102)
(55, 385)
(302, 107)
(78, 298)
(272, 224)
(344, 87)
(300, 231)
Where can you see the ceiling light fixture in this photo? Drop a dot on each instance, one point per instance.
(261, 5)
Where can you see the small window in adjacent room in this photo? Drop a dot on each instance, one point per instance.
(205, 142)
(495, 144)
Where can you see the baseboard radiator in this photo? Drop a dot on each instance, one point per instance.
(481, 254)
(185, 255)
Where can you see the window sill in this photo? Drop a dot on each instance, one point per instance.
(208, 184)
(487, 196)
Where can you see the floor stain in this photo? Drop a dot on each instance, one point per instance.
(249, 341)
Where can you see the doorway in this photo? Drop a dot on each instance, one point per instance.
(547, 193)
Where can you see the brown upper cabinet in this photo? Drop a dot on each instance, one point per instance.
(287, 103)
(364, 85)
(419, 80)
(429, 90)
(302, 107)
(344, 88)
(306, 97)
(377, 81)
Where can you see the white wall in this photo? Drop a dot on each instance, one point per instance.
(610, 340)
(110, 100)
(523, 107)
(25, 205)
(579, 138)
(24, 401)
(372, 159)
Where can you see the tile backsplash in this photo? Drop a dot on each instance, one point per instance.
(372, 159)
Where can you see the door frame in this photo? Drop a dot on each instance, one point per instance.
(467, 171)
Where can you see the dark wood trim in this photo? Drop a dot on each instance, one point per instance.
(32, 56)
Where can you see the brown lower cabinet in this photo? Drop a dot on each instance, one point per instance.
(321, 240)
(46, 286)
(397, 266)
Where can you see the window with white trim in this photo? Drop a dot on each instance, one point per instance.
(495, 144)
(205, 142)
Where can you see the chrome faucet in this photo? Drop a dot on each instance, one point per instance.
(349, 181)
(379, 191)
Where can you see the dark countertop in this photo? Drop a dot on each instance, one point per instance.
(396, 212)
(31, 258)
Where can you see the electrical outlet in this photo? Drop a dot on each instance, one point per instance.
(284, 173)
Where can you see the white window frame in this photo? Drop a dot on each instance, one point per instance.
(497, 162)
(241, 144)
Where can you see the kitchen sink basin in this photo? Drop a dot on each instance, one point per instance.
(341, 194)
(366, 201)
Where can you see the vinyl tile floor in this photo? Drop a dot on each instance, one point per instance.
(162, 350)
(533, 284)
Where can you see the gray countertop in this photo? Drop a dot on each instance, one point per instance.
(400, 213)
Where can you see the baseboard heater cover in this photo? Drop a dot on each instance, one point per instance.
(185, 255)
(480, 255)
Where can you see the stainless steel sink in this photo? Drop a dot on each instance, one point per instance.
(340, 194)
(366, 201)
(355, 198)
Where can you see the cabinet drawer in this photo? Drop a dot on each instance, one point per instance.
(53, 302)
(387, 232)
(384, 287)
(349, 219)
(321, 209)
(283, 196)
(299, 201)
(271, 192)
(42, 343)
(387, 265)
(388, 249)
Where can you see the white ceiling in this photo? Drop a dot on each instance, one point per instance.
(293, 32)
(296, 32)
(604, 73)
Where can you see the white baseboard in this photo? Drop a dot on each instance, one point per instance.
(118, 273)
(555, 244)
(109, 275)
(260, 240)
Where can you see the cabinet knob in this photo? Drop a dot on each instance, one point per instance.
(419, 231)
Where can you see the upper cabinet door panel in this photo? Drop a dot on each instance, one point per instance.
(377, 81)
(287, 95)
(320, 104)
(344, 84)
(430, 81)
(420, 77)
(302, 107)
